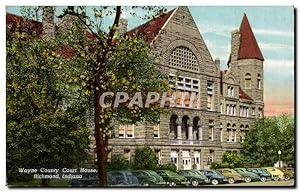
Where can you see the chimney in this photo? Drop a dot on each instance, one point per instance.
(48, 22)
(235, 45)
(123, 26)
(217, 62)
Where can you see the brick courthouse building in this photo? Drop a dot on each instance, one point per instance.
(228, 102)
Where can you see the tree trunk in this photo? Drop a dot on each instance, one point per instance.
(100, 145)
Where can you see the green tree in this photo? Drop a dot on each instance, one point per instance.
(145, 158)
(115, 63)
(118, 163)
(169, 166)
(270, 135)
(46, 122)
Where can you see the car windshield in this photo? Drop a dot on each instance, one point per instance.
(218, 172)
(191, 173)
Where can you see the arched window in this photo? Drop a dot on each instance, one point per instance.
(184, 58)
(258, 81)
(248, 81)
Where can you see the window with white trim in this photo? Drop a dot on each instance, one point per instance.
(230, 91)
(248, 81)
(210, 88)
(188, 85)
(258, 81)
(211, 130)
(126, 131)
(156, 131)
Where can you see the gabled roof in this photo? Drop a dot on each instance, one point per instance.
(243, 95)
(13, 21)
(248, 45)
(150, 29)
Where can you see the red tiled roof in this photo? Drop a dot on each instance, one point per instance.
(150, 29)
(13, 21)
(248, 46)
(243, 95)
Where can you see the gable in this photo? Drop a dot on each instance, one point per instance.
(182, 31)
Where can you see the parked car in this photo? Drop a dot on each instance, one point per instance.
(194, 178)
(173, 178)
(214, 177)
(263, 174)
(231, 175)
(124, 178)
(148, 178)
(276, 173)
(292, 170)
(249, 176)
(287, 174)
(91, 180)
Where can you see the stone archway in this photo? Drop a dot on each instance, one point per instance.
(173, 126)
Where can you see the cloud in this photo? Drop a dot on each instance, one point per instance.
(225, 30)
(273, 32)
(282, 66)
(275, 46)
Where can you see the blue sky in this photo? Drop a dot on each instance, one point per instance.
(273, 28)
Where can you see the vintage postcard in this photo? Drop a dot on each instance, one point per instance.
(150, 96)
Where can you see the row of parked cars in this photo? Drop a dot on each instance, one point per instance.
(130, 178)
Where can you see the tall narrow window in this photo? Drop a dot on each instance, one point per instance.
(130, 130)
(156, 131)
(229, 91)
(221, 132)
(211, 130)
(212, 156)
(122, 131)
(253, 110)
(228, 132)
(248, 81)
(260, 113)
(158, 155)
(221, 108)
(209, 96)
(227, 109)
(242, 133)
(258, 81)
(233, 135)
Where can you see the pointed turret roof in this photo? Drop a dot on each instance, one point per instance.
(248, 45)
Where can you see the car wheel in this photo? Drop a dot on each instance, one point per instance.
(195, 183)
(263, 179)
(123, 183)
(286, 178)
(214, 182)
(247, 179)
(275, 178)
(172, 184)
(145, 184)
(231, 180)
